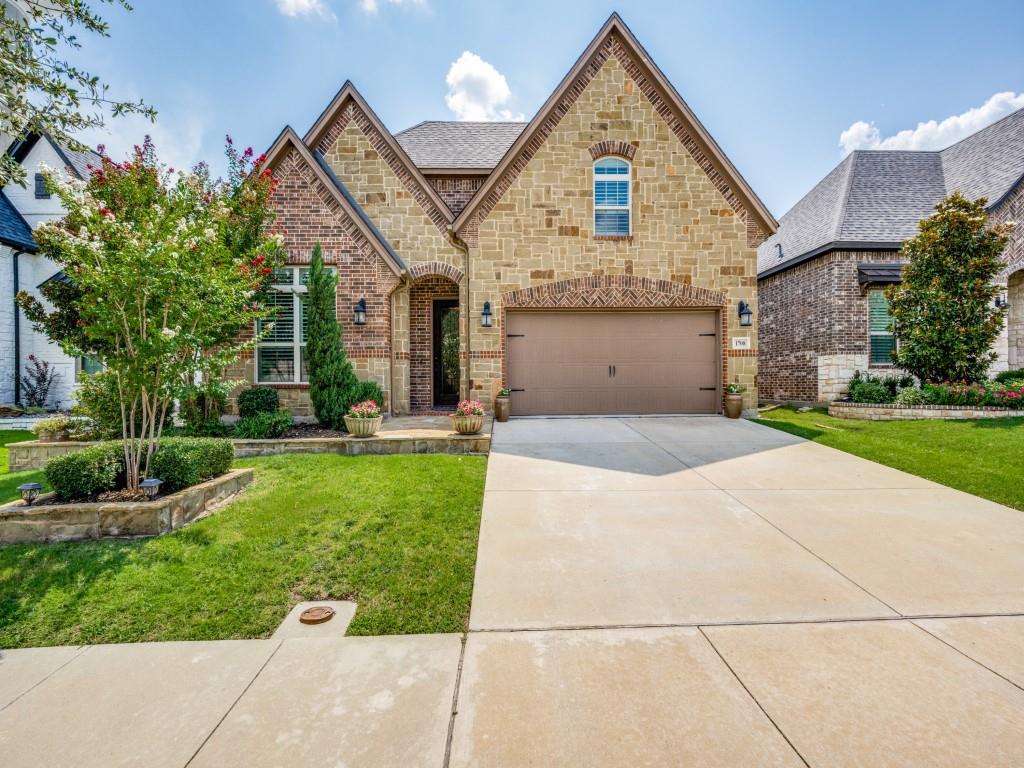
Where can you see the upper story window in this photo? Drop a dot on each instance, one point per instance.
(42, 193)
(611, 197)
(882, 343)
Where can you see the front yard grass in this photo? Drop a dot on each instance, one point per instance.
(397, 534)
(9, 481)
(983, 456)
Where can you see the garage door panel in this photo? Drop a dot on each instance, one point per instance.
(664, 362)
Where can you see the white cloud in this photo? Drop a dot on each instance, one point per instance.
(477, 91)
(178, 138)
(932, 134)
(372, 6)
(305, 8)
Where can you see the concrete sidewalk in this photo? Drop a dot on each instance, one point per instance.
(648, 592)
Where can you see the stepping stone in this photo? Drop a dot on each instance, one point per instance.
(336, 626)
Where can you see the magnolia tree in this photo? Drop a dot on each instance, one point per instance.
(943, 311)
(165, 271)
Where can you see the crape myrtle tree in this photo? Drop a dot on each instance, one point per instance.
(165, 272)
(943, 312)
(41, 90)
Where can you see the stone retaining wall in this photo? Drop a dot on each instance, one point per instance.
(893, 412)
(21, 523)
(34, 454)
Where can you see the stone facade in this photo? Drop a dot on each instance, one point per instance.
(540, 230)
(528, 224)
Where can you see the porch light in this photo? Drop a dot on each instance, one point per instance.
(359, 312)
(150, 486)
(1002, 303)
(746, 314)
(29, 491)
(486, 317)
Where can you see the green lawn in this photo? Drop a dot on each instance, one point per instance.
(983, 457)
(9, 481)
(397, 534)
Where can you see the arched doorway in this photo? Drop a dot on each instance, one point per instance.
(435, 374)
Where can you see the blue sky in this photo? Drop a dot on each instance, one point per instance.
(776, 83)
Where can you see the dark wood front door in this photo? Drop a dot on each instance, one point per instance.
(446, 351)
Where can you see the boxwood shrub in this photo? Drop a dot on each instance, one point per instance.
(257, 400)
(263, 426)
(179, 462)
(86, 473)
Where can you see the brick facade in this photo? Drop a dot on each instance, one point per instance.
(422, 295)
(813, 327)
(530, 238)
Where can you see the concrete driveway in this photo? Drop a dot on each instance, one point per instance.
(698, 591)
(649, 592)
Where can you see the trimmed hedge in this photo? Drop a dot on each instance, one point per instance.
(257, 400)
(179, 462)
(261, 426)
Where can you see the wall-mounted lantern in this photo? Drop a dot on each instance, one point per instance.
(359, 312)
(486, 317)
(746, 314)
(1002, 303)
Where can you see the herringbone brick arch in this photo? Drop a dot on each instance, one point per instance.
(439, 268)
(612, 291)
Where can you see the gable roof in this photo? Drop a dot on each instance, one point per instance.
(14, 230)
(327, 119)
(451, 144)
(875, 199)
(704, 144)
(287, 140)
(77, 162)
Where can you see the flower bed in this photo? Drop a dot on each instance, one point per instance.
(45, 521)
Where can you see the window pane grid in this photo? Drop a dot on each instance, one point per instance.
(285, 341)
(882, 343)
(611, 197)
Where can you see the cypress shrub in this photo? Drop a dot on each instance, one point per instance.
(332, 382)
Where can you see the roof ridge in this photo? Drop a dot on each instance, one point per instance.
(1007, 116)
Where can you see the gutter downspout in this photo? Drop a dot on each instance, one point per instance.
(461, 244)
(17, 329)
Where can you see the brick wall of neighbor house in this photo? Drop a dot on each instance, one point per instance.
(541, 229)
(421, 299)
(308, 215)
(813, 327)
(456, 191)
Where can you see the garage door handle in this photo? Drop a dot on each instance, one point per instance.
(709, 389)
(515, 335)
(516, 390)
(614, 371)
(709, 334)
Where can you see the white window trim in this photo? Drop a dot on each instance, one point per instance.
(872, 334)
(614, 207)
(296, 289)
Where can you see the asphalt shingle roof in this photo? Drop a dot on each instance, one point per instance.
(14, 230)
(878, 197)
(458, 144)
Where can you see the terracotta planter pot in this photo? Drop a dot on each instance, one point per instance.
(733, 406)
(467, 425)
(502, 408)
(363, 427)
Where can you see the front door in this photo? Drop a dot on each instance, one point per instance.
(446, 351)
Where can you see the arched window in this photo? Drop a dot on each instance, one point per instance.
(611, 196)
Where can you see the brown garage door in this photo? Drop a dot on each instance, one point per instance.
(582, 362)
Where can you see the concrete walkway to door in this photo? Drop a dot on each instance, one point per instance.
(698, 591)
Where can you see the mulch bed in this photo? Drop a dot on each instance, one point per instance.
(311, 430)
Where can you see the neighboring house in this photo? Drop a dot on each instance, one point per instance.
(594, 260)
(22, 269)
(821, 277)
